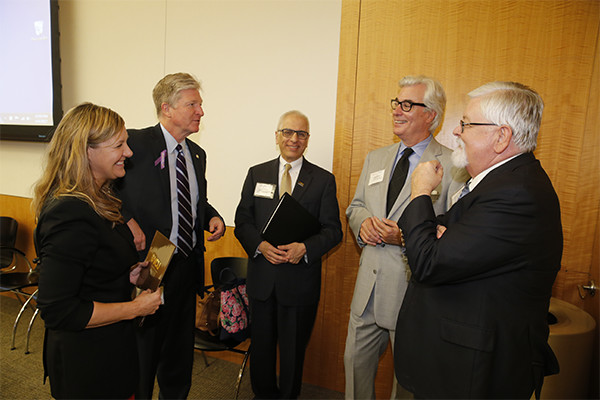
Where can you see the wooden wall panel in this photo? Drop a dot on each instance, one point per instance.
(549, 45)
(592, 306)
(323, 360)
(19, 208)
(581, 195)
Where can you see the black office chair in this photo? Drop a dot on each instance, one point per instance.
(222, 270)
(16, 274)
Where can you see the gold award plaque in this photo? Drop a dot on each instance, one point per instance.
(159, 255)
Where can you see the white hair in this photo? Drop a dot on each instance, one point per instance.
(515, 105)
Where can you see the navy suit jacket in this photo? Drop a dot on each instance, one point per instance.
(315, 189)
(146, 192)
(473, 323)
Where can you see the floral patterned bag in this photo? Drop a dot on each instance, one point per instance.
(235, 312)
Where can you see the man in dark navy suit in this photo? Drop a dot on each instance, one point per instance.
(284, 282)
(473, 323)
(152, 194)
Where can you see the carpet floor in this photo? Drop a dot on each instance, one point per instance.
(21, 374)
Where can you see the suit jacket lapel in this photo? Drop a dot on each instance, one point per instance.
(272, 178)
(158, 145)
(387, 164)
(456, 211)
(304, 180)
(432, 151)
(199, 162)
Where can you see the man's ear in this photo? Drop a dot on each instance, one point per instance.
(503, 139)
(165, 109)
(431, 116)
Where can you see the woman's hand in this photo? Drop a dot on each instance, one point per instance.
(139, 272)
(148, 301)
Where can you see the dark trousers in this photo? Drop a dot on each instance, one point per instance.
(166, 339)
(291, 326)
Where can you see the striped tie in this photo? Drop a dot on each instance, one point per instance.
(184, 205)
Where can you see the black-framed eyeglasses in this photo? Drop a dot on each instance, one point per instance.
(463, 124)
(289, 133)
(406, 105)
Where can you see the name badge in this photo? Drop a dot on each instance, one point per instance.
(376, 177)
(264, 190)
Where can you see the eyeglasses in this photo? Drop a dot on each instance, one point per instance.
(406, 105)
(289, 133)
(463, 124)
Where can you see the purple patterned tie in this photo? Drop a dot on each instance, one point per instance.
(184, 204)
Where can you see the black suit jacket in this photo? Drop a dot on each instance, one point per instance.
(84, 259)
(473, 323)
(315, 189)
(145, 191)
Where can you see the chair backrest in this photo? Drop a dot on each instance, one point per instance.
(226, 269)
(8, 238)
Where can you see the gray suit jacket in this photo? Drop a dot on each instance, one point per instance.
(383, 266)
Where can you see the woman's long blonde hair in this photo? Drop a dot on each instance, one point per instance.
(67, 169)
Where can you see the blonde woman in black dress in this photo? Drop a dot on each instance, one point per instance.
(86, 253)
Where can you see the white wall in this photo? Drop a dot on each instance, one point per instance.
(256, 59)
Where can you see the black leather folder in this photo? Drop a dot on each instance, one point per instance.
(289, 222)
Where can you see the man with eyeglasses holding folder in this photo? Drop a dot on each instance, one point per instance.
(284, 281)
(382, 193)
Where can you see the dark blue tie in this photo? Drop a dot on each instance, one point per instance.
(184, 204)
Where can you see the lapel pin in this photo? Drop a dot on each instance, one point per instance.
(161, 159)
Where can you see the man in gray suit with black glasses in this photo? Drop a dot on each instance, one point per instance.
(382, 193)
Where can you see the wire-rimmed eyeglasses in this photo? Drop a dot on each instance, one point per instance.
(406, 105)
(289, 133)
(463, 124)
